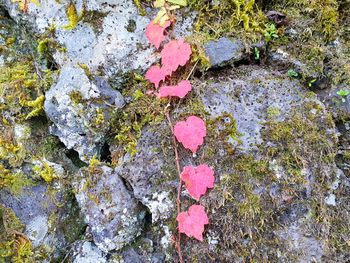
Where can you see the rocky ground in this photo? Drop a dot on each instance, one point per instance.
(87, 165)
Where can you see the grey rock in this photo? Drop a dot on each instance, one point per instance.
(279, 57)
(29, 205)
(86, 252)
(305, 247)
(113, 50)
(142, 252)
(144, 172)
(224, 51)
(46, 223)
(330, 200)
(248, 101)
(114, 216)
(73, 121)
(254, 100)
(334, 103)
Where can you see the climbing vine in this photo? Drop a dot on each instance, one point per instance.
(189, 133)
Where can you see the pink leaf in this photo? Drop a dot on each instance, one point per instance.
(190, 133)
(174, 54)
(197, 180)
(192, 223)
(180, 90)
(155, 74)
(155, 32)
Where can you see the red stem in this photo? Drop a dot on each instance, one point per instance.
(178, 201)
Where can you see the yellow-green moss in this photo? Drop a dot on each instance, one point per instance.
(45, 171)
(142, 11)
(14, 245)
(238, 18)
(37, 104)
(72, 16)
(14, 181)
(95, 19)
(76, 97)
(135, 115)
(43, 45)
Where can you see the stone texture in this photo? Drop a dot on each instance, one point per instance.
(47, 224)
(114, 216)
(224, 51)
(144, 172)
(114, 48)
(74, 122)
(249, 103)
(86, 252)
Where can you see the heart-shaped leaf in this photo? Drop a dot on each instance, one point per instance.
(192, 223)
(190, 133)
(174, 54)
(197, 180)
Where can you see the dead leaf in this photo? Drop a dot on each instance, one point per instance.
(277, 17)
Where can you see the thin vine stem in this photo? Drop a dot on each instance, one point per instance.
(178, 201)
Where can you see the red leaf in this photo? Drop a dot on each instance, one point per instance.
(190, 133)
(155, 74)
(192, 223)
(155, 32)
(197, 180)
(174, 54)
(180, 90)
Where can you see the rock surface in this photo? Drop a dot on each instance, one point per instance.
(224, 51)
(274, 145)
(104, 43)
(146, 180)
(86, 252)
(80, 110)
(107, 205)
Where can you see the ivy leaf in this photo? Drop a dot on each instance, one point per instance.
(155, 33)
(155, 74)
(180, 90)
(192, 223)
(190, 132)
(174, 54)
(178, 2)
(197, 180)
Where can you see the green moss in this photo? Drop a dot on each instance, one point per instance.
(22, 90)
(243, 17)
(14, 245)
(72, 16)
(37, 104)
(67, 219)
(142, 11)
(243, 208)
(43, 45)
(223, 128)
(99, 120)
(143, 110)
(45, 171)
(14, 181)
(10, 41)
(321, 54)
(95, 19)
(76, 97)
(272, 112)
(131, 26)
